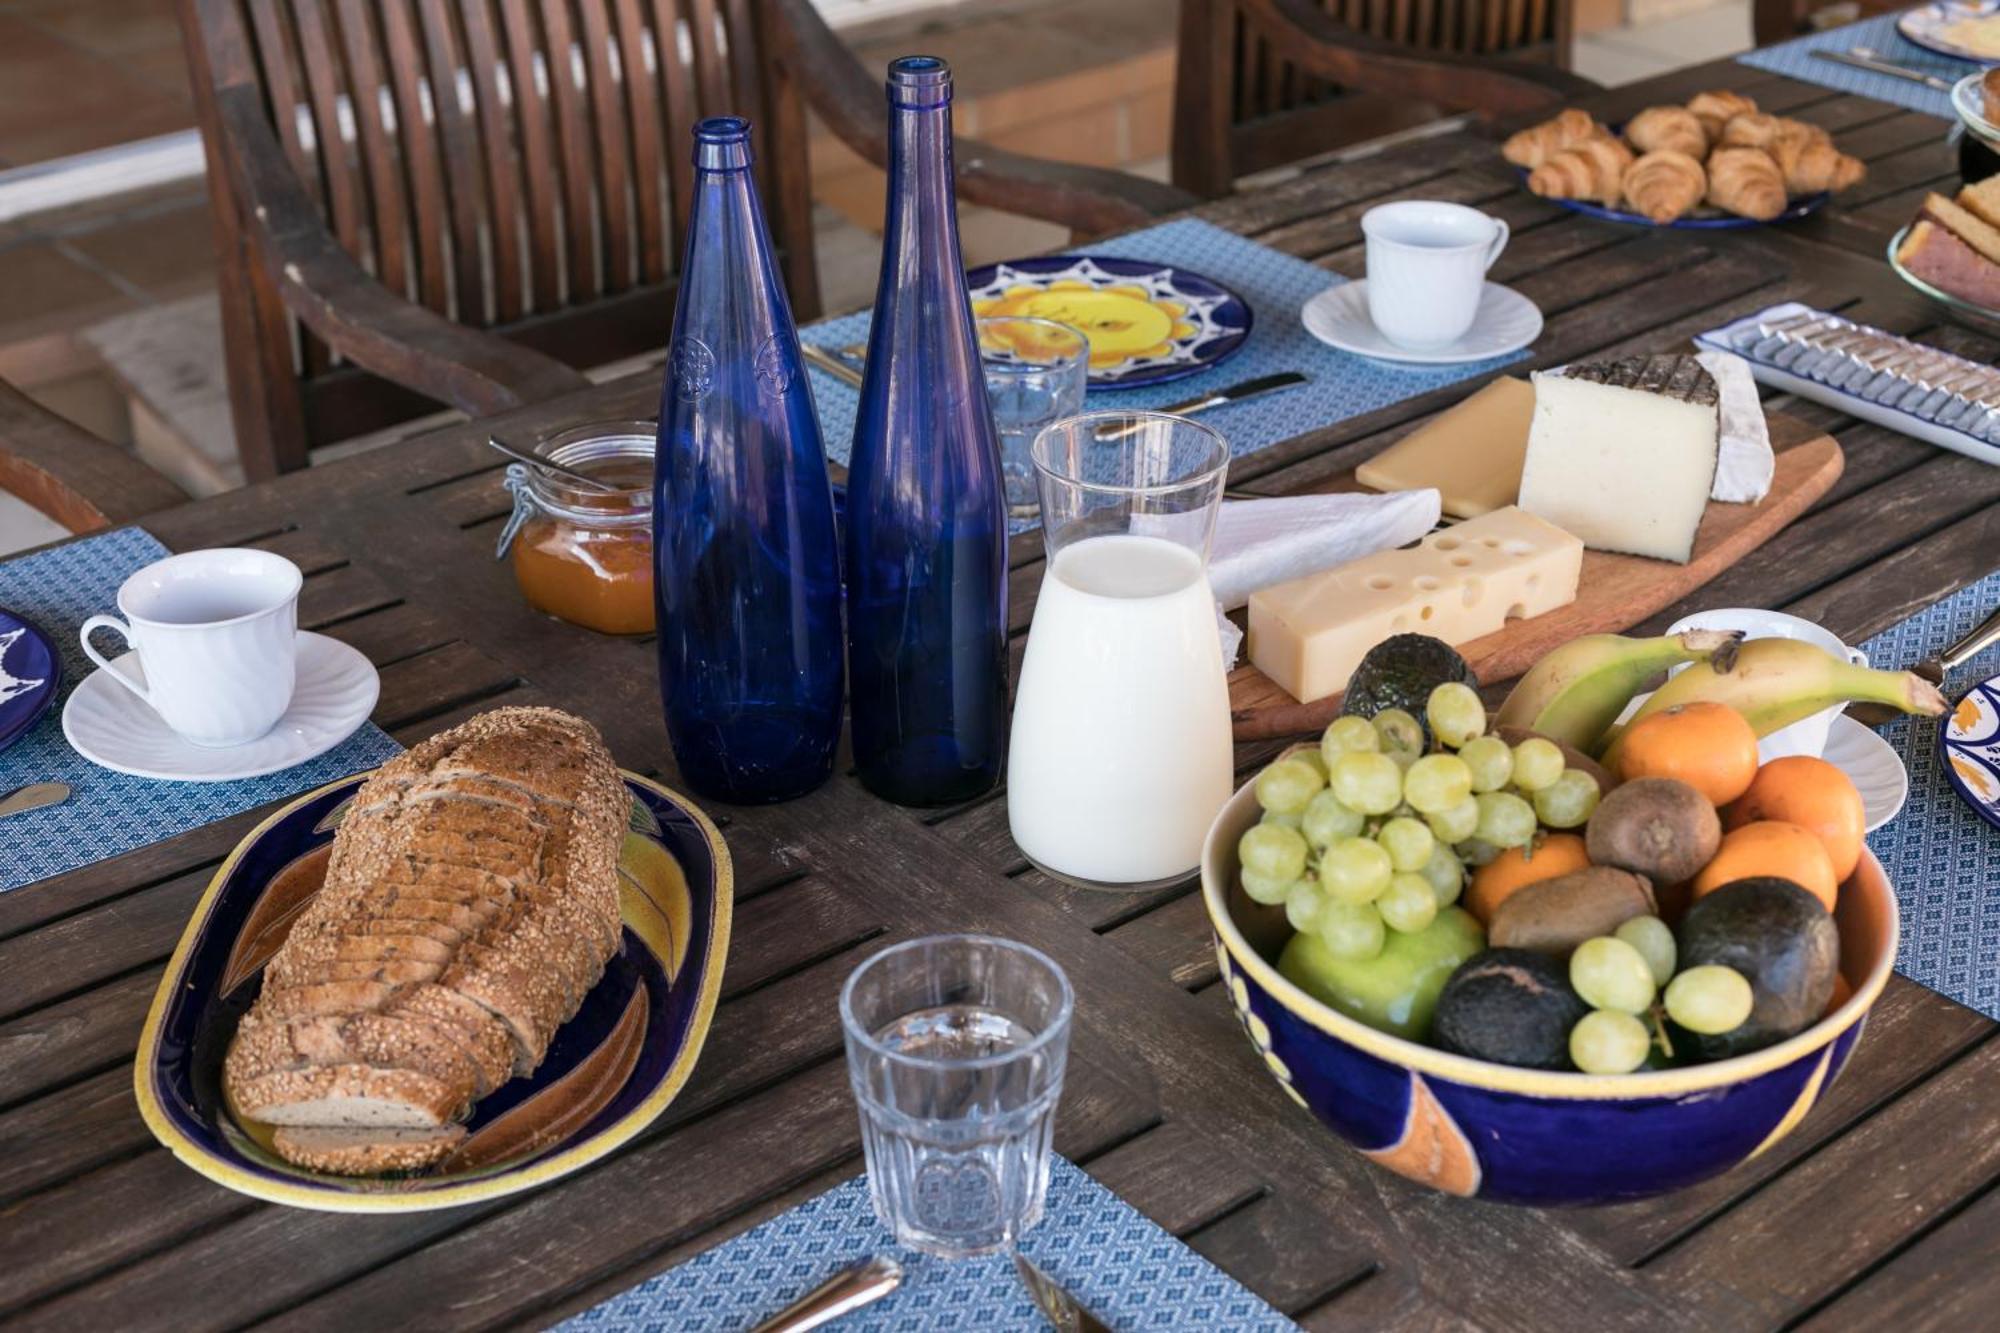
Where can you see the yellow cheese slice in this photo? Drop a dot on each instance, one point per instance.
(1458, 584)
(1471, 452)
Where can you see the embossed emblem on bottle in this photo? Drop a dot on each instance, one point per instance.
(693, 368)
(773, 368)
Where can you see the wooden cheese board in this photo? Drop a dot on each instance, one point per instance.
(1615, 593)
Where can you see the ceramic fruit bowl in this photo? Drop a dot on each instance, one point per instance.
(1472, 1128)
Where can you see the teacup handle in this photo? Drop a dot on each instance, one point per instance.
(1857, 657)
(123, 631)
(1501, 233)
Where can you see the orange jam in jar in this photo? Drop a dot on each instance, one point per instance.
(583, 555)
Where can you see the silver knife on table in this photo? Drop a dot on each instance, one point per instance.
(851, 1288)
(1062, 1310)
(1861, 58)
(1234, 393)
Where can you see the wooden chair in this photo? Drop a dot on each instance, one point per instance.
(1264, 82)
(69, 474)
(460, 201)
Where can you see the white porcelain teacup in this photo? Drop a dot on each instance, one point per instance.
(1427, 263)
(216, 634)
(1808, 735)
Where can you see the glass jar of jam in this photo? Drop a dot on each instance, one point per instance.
(583, 555)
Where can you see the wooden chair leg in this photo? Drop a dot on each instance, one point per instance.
(1204, 70)
(264, 401)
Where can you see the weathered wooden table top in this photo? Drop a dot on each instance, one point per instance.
(1878, 1207)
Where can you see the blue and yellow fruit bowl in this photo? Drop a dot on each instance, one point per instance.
(1476, 1129)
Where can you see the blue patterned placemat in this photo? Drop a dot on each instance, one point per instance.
(1120, 1266)
(1275, 285)
(1943, 859)
(109, 813)
(1795, 60)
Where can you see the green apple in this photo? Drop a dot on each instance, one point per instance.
(1397, 989)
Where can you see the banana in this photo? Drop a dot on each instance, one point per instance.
(1574, 694)
(1775, 682)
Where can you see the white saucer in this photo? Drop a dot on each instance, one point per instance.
(109, 725)
(1874, 767)
(1506, 322)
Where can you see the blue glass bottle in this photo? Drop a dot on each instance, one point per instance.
(747, 576)
(926, 511)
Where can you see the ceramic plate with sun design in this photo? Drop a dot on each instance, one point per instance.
(1147, 322)
(1971, 742)
(611, 1070)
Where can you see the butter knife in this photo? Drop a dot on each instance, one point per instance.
(1235, 393)
(1863, 58)
(33, 797)
(1062, 1310)
(846, 1291)
(832, 364)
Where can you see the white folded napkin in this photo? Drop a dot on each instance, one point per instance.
(1259, 543)
(1745, 464)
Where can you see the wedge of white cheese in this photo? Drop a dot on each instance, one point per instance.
(1623, 453)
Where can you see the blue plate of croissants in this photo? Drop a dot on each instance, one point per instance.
(1713, 162)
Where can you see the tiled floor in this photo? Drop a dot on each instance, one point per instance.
(1681, 35)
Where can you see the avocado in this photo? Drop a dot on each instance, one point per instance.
(1510, 1006)
(1397, 988)
(1400, 672)
(1782, 939)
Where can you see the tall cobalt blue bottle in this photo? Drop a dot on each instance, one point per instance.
(926, 511)
(747, 571)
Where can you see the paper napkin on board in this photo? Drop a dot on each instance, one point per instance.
(1744, 465)
(1262, 542)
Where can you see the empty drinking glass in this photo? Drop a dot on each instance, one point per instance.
(955, 1049)
(1036, 371)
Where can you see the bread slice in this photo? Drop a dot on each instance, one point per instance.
(482, 1036)
(1982, 199)
(381, 1040)
(1983, 237)
(1949, 264)
(345, 996)
(351, 1096)
(365, 1152)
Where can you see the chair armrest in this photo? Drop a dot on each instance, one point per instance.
(477, 372)
(850, 101)
(1320, 45)
(69, 474)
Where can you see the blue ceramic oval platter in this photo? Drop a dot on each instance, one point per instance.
(610, 1071)
(1706, 220)
(1970, 739)
(30, 676)
(1147, 322)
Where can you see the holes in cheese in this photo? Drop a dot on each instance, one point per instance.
(1308, 635)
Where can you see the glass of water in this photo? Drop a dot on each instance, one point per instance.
(1036, 371)
(955, 1048)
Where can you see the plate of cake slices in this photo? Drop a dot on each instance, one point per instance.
(1714, 162)
(481, 967)
(1951, 250)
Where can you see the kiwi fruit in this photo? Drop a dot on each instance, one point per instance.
(1657, 827)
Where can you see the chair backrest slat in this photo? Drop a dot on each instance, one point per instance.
(506, 200)
(338, 163)
(649, 180)
(614, 153)
(682, 100)
(365, 85)
(463, 184)
(418, 125)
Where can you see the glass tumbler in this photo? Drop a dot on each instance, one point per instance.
(955, 1049)
(1121, 752)
(1036, 372)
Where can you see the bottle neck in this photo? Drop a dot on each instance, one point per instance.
(921, 195)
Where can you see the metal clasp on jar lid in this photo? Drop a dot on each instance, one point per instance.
(537, 490)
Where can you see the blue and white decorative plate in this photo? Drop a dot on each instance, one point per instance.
(1935, 28)
(30, 676)
(1970, 739)
(612, 1069)
(1147, 322)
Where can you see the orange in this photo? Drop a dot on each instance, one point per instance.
(1706, 745)
(1843, 990)
(1514, 869)
(1771, 847)
(1812, 794)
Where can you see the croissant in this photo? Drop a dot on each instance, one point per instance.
(1664, 185)
(1747, 182)
(1750, 129)
(1538, 143)
(1811, 165)
(1673, 128)
(1715, 107)
(1593, 169)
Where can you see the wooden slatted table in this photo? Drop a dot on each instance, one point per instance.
(1880, 1206)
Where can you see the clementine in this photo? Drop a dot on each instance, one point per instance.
(1771, 847)
(1813, 794)
(1517, 867)
(1706, 745)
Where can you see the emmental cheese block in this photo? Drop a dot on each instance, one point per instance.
(1471, 453)
(1623, 453)
(1468, 580)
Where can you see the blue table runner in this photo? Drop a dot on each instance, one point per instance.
(1124, 1269)
(1795, 60)
(110, 813)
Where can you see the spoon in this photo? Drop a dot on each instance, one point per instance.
(550, 465)
(1934, 669)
